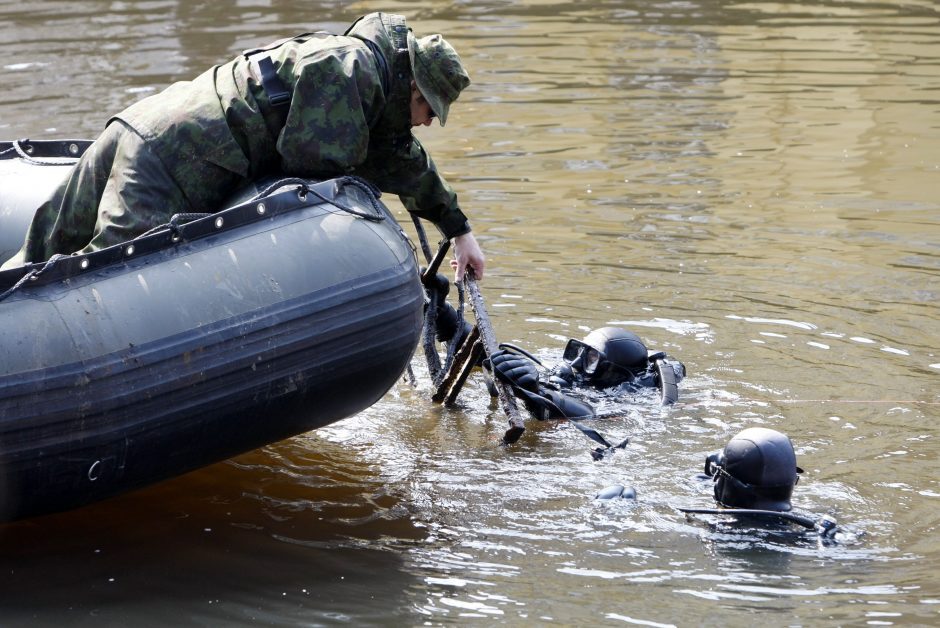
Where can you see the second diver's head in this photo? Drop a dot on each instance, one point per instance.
(607, 356)
(757, 470)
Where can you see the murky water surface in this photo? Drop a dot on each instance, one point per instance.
(752, 187)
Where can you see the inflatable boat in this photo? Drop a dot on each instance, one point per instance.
(287, 311)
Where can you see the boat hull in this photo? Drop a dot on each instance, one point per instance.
(147, 360)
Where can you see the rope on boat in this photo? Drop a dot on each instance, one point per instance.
(372, 193)
(32, 275)
(17, 145)
(303, 188)
(422, 238)
(178, 220)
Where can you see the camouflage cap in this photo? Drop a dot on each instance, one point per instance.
(437, 71)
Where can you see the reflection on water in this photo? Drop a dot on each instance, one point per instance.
(751, 187)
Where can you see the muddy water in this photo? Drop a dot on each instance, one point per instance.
(752, 187)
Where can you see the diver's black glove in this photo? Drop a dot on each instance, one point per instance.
(446, 321)
(447, 324)
(679, 368)
(516, 370)
(438, 284)
(562, 376)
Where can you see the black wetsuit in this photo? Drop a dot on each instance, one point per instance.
(559, 394)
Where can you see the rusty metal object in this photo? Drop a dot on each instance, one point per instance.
(466, 358)
(507, 399)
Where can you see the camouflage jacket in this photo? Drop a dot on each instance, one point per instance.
(349, 114)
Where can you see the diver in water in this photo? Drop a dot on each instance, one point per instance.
(754, 479)
(609, 359)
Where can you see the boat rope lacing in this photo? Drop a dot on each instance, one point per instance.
(303, 188)
(17, 145)
(422, 238)
(33, 275)
(178, 220)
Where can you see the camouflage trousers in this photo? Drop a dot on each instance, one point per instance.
(118, 190)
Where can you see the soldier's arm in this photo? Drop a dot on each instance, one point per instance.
(411, 174)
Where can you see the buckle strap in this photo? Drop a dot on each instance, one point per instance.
(397, 30)
(278, 94)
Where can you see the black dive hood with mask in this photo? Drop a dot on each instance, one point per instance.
(612, 356)
(607, 356)
(754, 478)
(757, 470)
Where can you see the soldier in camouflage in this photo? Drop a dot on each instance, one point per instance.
(349, 105)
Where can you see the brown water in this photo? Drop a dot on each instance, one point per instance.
(752, 187)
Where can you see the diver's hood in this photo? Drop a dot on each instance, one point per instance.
(757, 470)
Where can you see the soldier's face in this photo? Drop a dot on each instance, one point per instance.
(421, 114)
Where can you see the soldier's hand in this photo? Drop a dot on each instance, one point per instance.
(468, 255)
(516, 370)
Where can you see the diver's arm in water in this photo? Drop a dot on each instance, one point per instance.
(661, 372)
(543, 402)
(447, 318)
(824, 525)
(516, 370)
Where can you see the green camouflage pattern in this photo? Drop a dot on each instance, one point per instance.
(118, 164)
(188, 148)
(438, 72)
(389, 33)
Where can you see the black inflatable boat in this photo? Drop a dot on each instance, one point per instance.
(291, 310)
